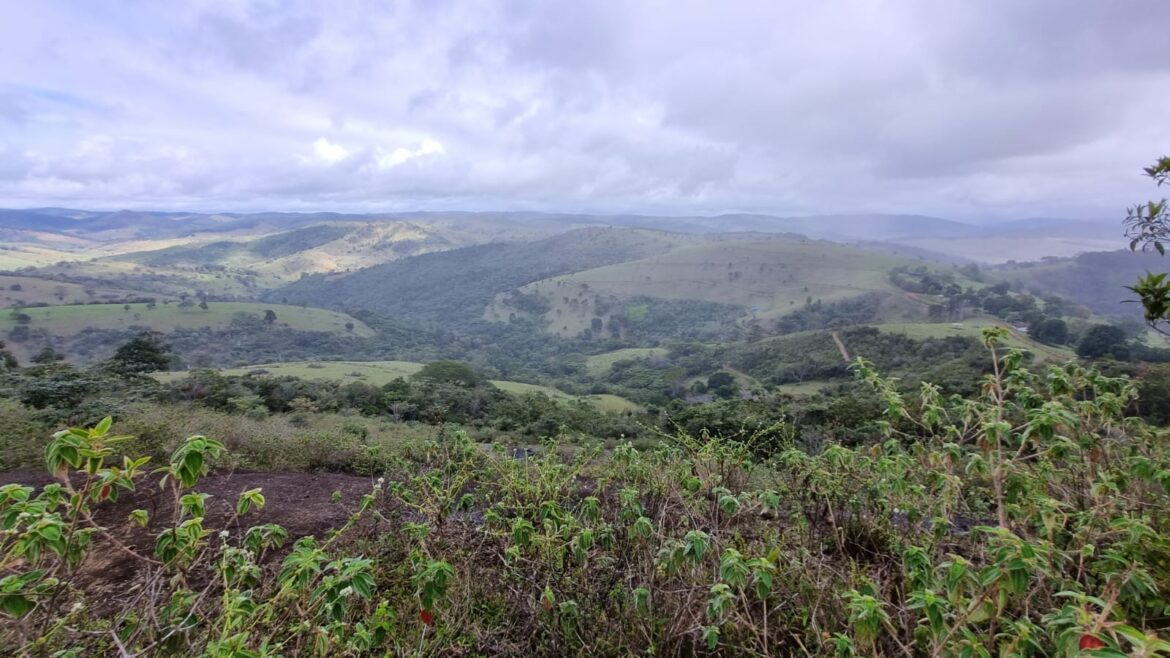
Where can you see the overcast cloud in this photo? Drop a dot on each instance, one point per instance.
(973, 109)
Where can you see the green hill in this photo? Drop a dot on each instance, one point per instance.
(73, 319)
(33, 290)
(379, 373)
(455, 286)
(973, 328)
(1096, 279)
(765, 279)
(599, 364)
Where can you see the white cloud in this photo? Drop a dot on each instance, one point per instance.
(971, 109)
(328, 152)
(400, 155)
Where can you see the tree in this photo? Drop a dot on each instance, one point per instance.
(7, 360)
(47, 356)
(269, 316)
(56, 385)
(1147, 225)
(1053, 331)
(449, 372)
(723, 384)
(1104, 340)
(144, 353)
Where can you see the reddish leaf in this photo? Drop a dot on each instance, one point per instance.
(104, 493)
(1090, 642)
(426, 617)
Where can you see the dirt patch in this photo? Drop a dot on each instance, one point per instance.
(300, 502)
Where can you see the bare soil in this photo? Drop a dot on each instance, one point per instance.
(301, 502)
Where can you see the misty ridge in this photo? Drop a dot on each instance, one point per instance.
(543, 329)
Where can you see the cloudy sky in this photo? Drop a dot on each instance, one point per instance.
(972, 109)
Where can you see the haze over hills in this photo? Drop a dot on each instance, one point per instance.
(39, 236)
(637, 279)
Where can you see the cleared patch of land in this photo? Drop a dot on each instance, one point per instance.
(33, 290)
(70, 320)
(806, 388)
(973, 328)
(599, 364)
(374, 373)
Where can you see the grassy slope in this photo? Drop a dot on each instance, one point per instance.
(974, 328)
(164, 280)
(599, 364)
(775, 276)
(71, 320)
(378, 373)
(336, 247)
(44, 291)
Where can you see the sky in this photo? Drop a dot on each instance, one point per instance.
(969, 109)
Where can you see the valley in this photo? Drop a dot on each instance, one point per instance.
(556, 402)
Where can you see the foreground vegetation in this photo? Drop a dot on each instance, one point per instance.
(1027, 520)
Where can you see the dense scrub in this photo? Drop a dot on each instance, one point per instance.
(1027, 520)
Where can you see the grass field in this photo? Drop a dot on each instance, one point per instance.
(768, 278)
(974, 328)
(599, 364)
(33, 290)
(168, 280)
(72, 319)
(805, 389)
(378, 373)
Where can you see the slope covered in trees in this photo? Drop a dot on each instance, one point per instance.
(456, 285)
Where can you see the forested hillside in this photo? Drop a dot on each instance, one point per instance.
(456, 285)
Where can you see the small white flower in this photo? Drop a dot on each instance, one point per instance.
(223, 534)
(381, 481)
(77, 606)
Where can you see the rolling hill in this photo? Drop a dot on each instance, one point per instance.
(1096, 279)
(70, 320)
(25, 290)
(456, 285)
(765, 279)
(379, 373)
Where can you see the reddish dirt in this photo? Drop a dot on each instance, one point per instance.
(301, 502)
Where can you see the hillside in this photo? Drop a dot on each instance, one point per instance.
(335, 247)
(379, 373)
(1096, 279)
(456, 285)
(25, 290)
(70, 320)
(764, 279)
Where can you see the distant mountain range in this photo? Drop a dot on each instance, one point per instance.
(1026, 239)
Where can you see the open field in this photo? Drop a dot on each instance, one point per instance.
(767, 278)
(974, 328)
(72, 319)
(599, 364)
(33, 290)
(17, 256)
(806, 388)
(374, 373)
(168, 280)
(379, 373)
